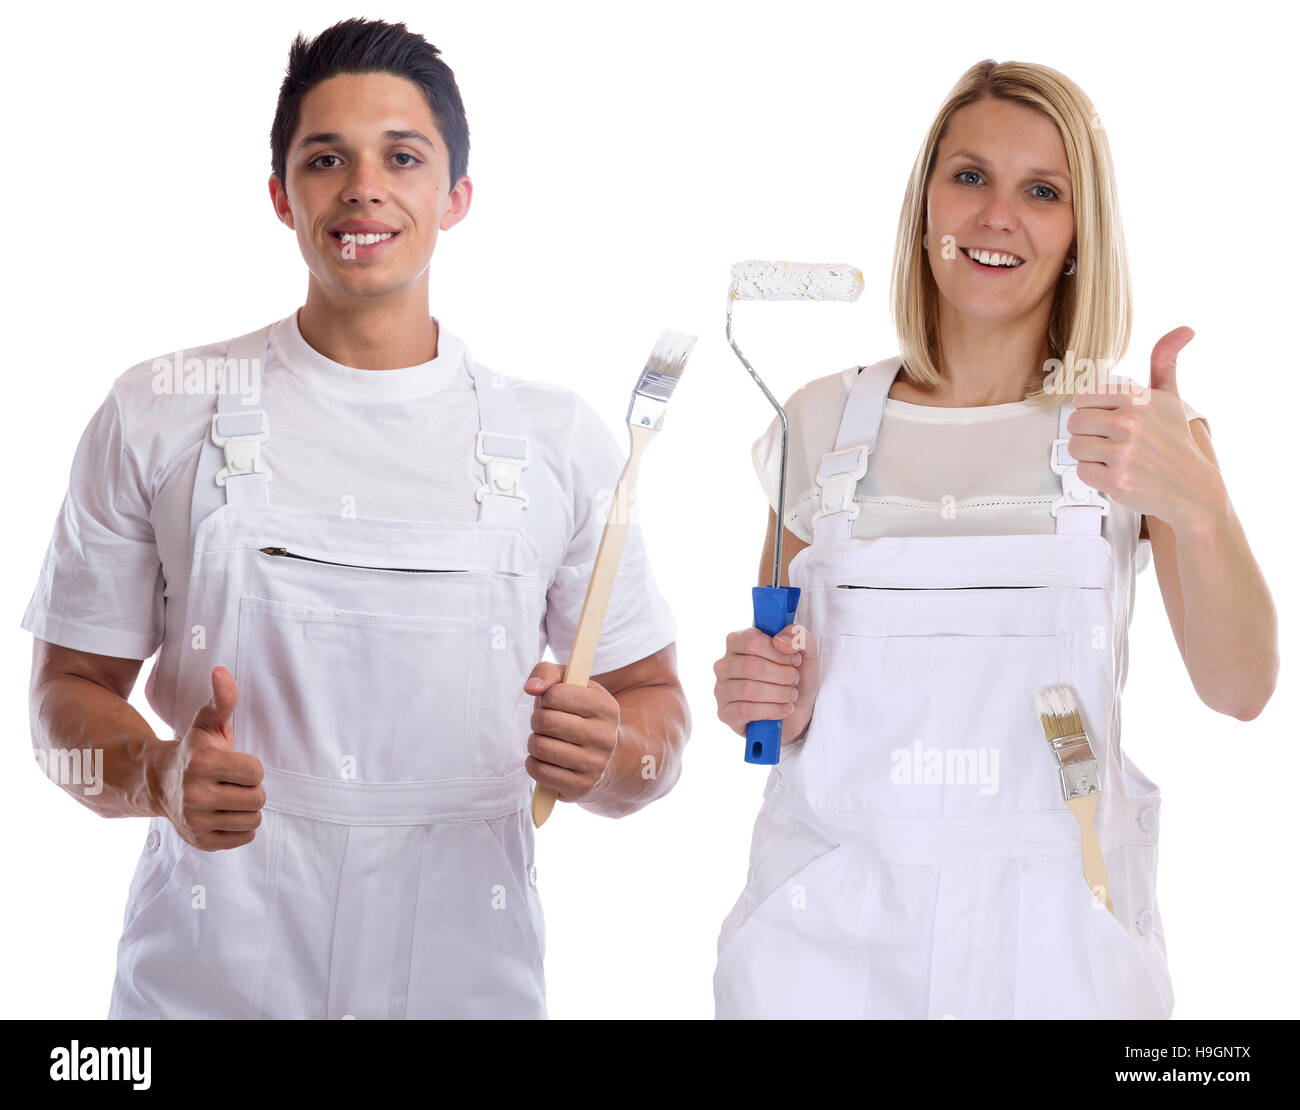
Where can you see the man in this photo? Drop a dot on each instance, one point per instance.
(351, 559)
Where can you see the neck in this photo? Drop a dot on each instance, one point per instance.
(369, 333)
(986, 362)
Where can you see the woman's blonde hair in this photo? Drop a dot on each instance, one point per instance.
(1091, 315)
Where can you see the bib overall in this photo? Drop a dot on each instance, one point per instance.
(914, 856)
(380, 667)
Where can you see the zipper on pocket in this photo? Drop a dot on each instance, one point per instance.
(284, 551)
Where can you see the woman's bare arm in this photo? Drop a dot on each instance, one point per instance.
(1219, 606)
(791, 545)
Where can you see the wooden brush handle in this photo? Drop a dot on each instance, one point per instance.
(1094, 867)
(578, 670)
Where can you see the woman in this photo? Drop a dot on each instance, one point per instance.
(915, 855)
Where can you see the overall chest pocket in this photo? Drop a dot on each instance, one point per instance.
(354, 694)
(926, 703)
(388, 657)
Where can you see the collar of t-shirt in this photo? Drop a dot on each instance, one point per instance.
(969, 414)
(305, 362)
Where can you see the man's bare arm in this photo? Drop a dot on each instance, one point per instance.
(656, 722)
(210, 793)
(78, 703)
(614, 745)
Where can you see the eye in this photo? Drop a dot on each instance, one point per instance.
(962, 173)
(414, 161)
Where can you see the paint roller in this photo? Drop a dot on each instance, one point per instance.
(775, 605)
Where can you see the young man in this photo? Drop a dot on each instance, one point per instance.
(351, 563)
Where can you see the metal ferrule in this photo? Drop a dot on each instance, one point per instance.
(1079, 779)
(1078, 765)
(647, 409)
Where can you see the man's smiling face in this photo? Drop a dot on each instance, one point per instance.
(367, 158)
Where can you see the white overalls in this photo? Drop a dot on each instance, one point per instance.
(380, 666)
(891, 874)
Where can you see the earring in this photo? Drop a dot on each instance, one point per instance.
(1069, 270)
(925, 239)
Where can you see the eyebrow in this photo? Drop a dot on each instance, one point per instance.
(972, 157)
(329, 138)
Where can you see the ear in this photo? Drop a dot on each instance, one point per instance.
(457, 203)
(280, 200)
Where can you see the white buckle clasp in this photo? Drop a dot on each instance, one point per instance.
(241, 450)
(837, 481)
(1076, 492)
(503, 471)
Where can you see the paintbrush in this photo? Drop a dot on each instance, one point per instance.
(1059, 714)
(645, 416)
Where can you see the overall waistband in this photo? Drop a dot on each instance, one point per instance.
(1043, 835)
(350, 802)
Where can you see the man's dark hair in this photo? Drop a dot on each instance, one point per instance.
(370, 46)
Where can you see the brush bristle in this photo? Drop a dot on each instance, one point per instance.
(1058, 711)
(664, 367)
(672, 349)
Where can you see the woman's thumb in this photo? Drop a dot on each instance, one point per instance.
(792, 638)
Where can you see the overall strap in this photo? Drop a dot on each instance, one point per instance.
(1079, 509)
(505, 452)
(1077, 512)
(841, 469)
(229, 470)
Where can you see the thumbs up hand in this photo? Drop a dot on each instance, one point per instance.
(211, 793)
(1135, 445)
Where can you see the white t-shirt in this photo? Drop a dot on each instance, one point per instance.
(398, 443)
(977, 470)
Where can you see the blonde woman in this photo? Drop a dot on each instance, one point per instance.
(915, 855)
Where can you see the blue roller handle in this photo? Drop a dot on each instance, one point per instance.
(774, 608)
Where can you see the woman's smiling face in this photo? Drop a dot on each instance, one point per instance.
(1000, 182)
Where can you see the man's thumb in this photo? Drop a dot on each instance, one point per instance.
(214, 717)
(543, 677)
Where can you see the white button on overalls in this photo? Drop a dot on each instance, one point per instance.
(380, 666)
(914, 857)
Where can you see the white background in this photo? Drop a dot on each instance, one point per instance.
(623, 158)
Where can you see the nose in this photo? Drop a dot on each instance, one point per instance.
(364, 184)
(998, 211)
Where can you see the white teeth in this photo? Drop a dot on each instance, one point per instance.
(365, 240)
(994, 258)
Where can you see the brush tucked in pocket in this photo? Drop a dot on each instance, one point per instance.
(1080, 785)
